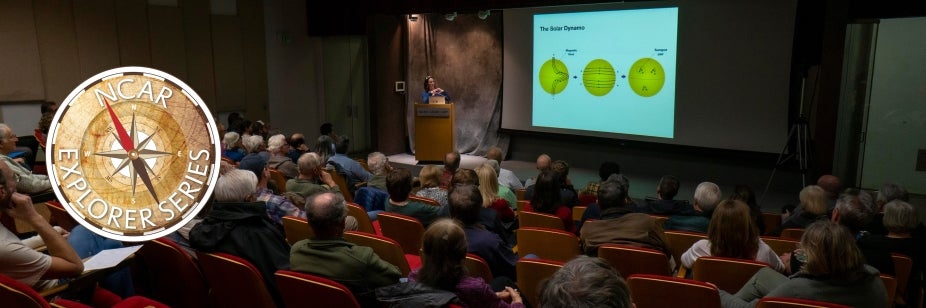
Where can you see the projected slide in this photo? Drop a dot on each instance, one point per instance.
(607, 71)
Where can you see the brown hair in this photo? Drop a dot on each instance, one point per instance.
(429, 176)
(830, 249)
(732, 233)
(443, 250)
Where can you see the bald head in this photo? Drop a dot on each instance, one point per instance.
(543, 162)
(831, 184)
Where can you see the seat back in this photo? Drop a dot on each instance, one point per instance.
(301, 289)
(727, 274)
(890, 284)
(629, 260)
(530, 273)
(522, 205)
(478, 267)
(363, 220)
(17, 294)
(792, 233)
(424, 200)
(173, 277)
(772, 221)
(342, 183)
(59, 216)
(233, 281)
(577, 212)
(296, 229)
(655, 291)
(278, 179)
(903, 266)
(540, 220)
(787, 302)
(405, 230)
(780, 245)
(521, 193)
(679, 241)
(384, 247)
(550, 244)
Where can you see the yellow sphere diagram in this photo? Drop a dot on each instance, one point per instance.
(646, 77)
(599, 77)
(554, 76)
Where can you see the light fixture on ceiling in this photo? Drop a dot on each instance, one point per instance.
(413, 17)
(450, 16)
(483, 14)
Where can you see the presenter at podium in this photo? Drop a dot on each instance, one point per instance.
(432, 94)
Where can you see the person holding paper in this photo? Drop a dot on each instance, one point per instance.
(431, 90)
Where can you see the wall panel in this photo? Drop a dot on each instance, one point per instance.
(97, 42)
(168, 52)
(19, 53)
(229, 70)
(132, 31)
(54, 25)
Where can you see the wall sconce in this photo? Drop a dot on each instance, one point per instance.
(483, 14)
(450, 16)
(413, 17)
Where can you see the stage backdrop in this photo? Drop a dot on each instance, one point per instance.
(465, 58)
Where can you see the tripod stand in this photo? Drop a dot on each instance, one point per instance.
(798, 141)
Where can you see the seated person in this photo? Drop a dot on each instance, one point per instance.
(706, 197)
(834, 272)
(443, 251)
(664, 204)
(620, 225)
(506, 177)
(379, 167)
(279, 160)
(353, 171)
(585, 282)
(329, 255)
(233, 149)
(451, 164)
(399, 184)
(812, 208)
(240, 226)
(547, 199)
(568, 195)
(465, 205)
(26, 181)
(312, 177)
(733, 234)
(429, 177)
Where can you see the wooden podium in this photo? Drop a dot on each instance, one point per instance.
(435, 132)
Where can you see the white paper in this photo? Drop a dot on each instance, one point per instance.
(109, 258)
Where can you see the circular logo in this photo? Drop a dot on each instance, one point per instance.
(133, 153)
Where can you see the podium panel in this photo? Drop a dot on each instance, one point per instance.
(435, 133)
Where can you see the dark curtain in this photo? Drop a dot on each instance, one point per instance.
(465, 58)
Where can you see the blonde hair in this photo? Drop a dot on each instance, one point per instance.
(429, 176)
(813, 200)
(488, 184)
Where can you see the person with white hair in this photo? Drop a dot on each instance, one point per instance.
(239, 225)
(232, 148)
(278, 149)
(706, 197)
(312, 178)
(379, 167)
(26, 181)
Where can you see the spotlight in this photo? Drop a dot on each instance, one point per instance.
(450, 16)
(413, 17)
(484, 14)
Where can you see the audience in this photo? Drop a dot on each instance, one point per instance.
(665, 204)
(585, 282)
(543, 164)
(593, 211)
(26, 181)
(324, 148)
(451, 164)
(488, 187)
(399, 185)
(548, 200)
(238, 225)
(506, 177)
(444, 247)
(706, 197)
(312, 177)
(568, 195)
(429, 177)
(619, 224)
(604, 171)
(888, 192)
(465, 205)
(834, 272)
(812, 207)
(732, 234)
(354, 173)
(487, 217)
(901, 219)
(854, 211)
(503, 191)
(379, 167)
(832, 185)
(297, 146)
(744, 193)
(329, 255)
(279, 158)
(233, 149)
(256, 158)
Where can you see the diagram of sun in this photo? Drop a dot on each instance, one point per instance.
(554, 76)
(599, 77)
(646, 77)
